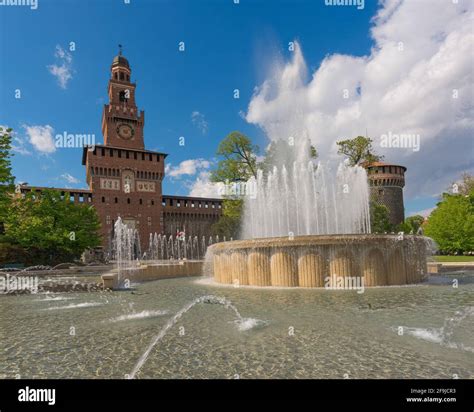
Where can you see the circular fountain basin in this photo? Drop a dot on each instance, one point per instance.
(312, 261)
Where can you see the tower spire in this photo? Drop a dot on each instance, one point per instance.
(120, 49)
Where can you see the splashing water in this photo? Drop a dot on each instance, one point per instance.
(76, 306)
(53, 299)
(162, 247)
(140, 315)
(307, 200)
(126, 246)
(241, 322)
(444, 335)
(249, 323)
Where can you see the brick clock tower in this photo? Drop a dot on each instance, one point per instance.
(124, 178)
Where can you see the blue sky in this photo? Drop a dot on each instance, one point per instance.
(227, 46)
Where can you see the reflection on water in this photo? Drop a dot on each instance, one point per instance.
(75, 306)
(286, 333)
(140, 315)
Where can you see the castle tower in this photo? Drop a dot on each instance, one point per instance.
(122, 123)
(125, 178)
(386, 183)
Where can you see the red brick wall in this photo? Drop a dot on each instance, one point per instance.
(144, 207)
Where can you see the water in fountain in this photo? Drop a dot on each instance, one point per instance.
(241, 322)
(307, 200)
(161, 247)
(126, 247)
(443, 335)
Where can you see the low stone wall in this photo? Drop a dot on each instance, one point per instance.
(155, 271)
(306, 261)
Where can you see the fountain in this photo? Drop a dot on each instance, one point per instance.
(306, 226)
(126, 252)
(307, 200)
(161, 247)
(166, 257)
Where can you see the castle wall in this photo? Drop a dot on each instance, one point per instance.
(194, 216)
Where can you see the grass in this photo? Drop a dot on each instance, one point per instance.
(454, 258)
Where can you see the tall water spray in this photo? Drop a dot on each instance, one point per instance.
(126, 248)
(305, 198)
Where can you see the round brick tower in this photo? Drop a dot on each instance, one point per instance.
(386, 182)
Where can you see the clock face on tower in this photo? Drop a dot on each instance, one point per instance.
(125, 131)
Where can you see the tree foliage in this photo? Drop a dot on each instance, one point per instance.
(6, 177)
(238, 163)
(228, 225)
(451, 224)
(411, 225)
(465, 186)
(379, 218)
(239, 159)
(49, 228)
(358, 150)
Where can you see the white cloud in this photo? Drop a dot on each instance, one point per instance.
(62, 69)
(18, 146)
(203, 187)
(41, 137)
(17, 143)
(199, 121)
(187, 167)
(405, 85)
(69, 178)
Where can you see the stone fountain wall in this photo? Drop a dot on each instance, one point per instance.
(155, 271)
(306, 261)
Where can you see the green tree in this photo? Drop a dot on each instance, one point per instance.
(238, 163)
(465, 186)
(239, 159)
(358, 150)
(50, 228)
(227, 227)
(229, 223)
(451, 224)
(379, 218)
(6, 177)
(411, 224)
